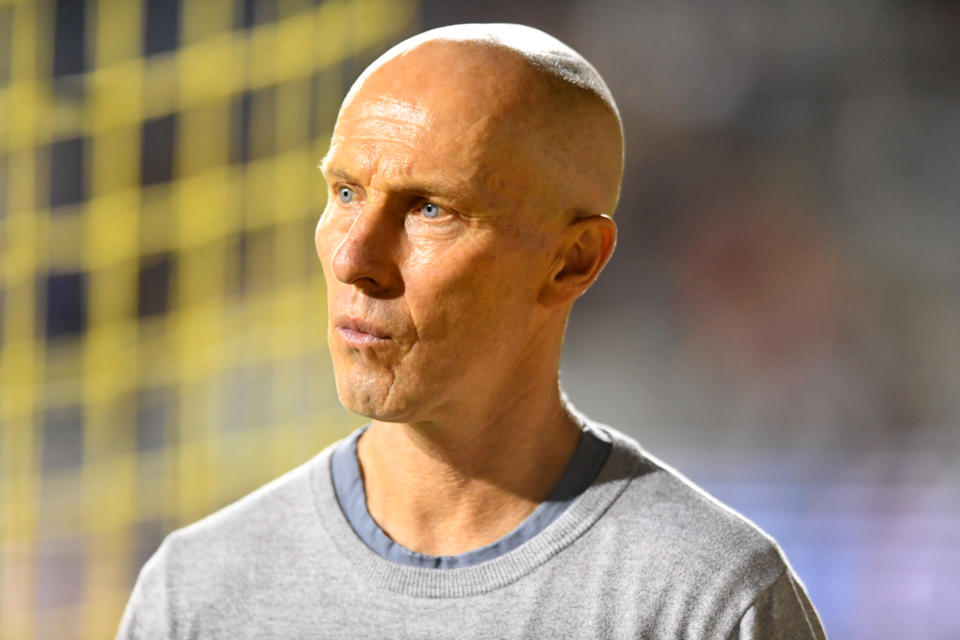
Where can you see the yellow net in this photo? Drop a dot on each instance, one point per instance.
(162, 313)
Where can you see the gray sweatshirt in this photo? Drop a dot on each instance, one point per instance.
(641, 553)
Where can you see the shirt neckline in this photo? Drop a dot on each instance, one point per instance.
(593, 448)
(624, 462)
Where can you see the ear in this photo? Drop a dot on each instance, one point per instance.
(587, 245)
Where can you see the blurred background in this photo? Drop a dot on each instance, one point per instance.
(780, 321)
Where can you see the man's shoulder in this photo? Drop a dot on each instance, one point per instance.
(276, 521)
(664, 545)
(706, 570)
(668, 520)
(248, 551)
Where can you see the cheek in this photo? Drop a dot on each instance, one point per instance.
(465, 295)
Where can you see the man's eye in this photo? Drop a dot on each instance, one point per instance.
(430, 210)
(346, 194)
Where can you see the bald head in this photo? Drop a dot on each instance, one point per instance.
(537, 121)
(472, 171)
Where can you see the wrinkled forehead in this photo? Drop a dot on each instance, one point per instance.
(472, 136)
(407, 121)
(386, 116)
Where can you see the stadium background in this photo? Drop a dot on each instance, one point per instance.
(781, 320)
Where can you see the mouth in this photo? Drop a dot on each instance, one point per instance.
(359, 332)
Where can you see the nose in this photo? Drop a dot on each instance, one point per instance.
(365, 255)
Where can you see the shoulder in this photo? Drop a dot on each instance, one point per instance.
(255, 544)
(681, 547)
(257, 522)
(668, 506)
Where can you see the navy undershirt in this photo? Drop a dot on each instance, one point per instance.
(587, 460)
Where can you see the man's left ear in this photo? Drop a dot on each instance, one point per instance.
(587, 245)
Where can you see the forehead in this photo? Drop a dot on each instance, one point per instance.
(401, 141)
(463, 114)
(384, 118)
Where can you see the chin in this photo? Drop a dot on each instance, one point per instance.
(372, 399)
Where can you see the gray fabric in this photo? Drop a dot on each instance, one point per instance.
(642, 553)
(587, 460)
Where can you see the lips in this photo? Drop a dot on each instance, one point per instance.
(360, 331)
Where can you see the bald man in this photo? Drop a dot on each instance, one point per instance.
(472, 174)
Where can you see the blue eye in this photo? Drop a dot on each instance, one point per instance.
(346, 195)
(430, 210)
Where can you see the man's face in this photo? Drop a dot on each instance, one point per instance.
(432, 248)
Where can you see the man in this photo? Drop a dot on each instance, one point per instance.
(472, 171)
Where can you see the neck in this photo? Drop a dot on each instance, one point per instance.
(445, 488)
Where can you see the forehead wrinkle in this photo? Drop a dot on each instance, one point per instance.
(393, 108)
(385, 118)
(369, 136)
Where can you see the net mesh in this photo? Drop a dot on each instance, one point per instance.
(162, 312)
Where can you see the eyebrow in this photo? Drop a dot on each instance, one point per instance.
(336, 172)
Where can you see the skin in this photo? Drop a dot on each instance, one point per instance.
(466, 213)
